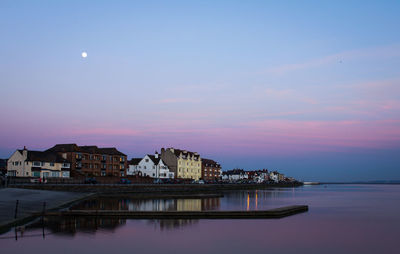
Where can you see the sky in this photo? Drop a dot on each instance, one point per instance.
(309, 88)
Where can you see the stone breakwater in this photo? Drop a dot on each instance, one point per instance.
(153, 188)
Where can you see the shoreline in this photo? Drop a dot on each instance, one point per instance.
(152, 188)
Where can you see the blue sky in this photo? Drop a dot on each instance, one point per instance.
(309, 87)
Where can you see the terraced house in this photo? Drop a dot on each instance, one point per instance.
(184, 164)
(26, 163)
(210, 170)
(92, 160)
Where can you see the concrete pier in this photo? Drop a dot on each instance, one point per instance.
(264, 214)
(30, 202)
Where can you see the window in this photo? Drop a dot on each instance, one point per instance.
(147, 160)
(104, 157)
(144, 167)
(55, 174)
(36, 173)
(103, 173)
(51, 164)
(154, 167)
(37, 164)
(153, 174)
(45, 174)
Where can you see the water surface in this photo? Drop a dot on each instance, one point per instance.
(341, 219)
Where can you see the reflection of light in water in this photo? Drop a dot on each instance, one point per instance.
(248, 201)
(256, 199)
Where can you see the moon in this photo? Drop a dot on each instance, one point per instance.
(84, 54)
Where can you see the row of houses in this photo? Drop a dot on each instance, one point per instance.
(257, 176)
(71, 160)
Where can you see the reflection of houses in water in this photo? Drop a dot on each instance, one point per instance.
(72, 225)
(173, 223)
(104, 203)
(210, 204)
(152, 205)
(188, 204)
(252, 199)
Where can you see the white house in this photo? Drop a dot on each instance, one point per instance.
(274, 176)
(26, 163)
(151, 165)
(234, 175)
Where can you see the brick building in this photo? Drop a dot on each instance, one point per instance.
(210, 170)
(92, 160)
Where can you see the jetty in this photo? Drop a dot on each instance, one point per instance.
(258, 214)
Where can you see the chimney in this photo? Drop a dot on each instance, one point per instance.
(156, 155)
(25, 153)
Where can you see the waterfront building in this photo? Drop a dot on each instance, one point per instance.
(210, 170)
(92, 160)
(259, 176)
(234, 175)
(27, 163)
(133, 167)
(184, 164)
(274, 176)
(150, 165)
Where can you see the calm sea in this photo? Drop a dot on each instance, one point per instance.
(341, 219)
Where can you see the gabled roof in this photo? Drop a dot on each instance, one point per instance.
(154, 159)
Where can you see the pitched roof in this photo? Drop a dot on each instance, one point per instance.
(134, 161)
(85, 149)
(109, 150)
(178, 152)
(209, 162)
(154, 159)
(44, 156)
(234, 172)
(65, 148)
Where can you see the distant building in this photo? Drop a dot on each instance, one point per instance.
(151, 165)
(234, 175)
(27, 163)
(92, 160)
(210, 170)
(259, 176)
(274, 176)
(184, 164)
